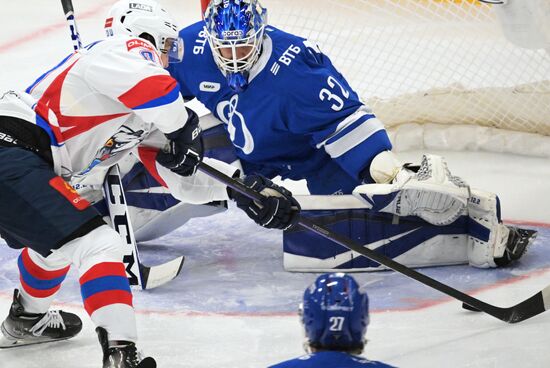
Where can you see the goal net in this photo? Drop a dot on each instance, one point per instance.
(441, 74)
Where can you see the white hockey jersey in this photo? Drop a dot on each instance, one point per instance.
(105, 101)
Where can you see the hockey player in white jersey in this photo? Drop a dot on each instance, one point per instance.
(335, 315)
(99, 104)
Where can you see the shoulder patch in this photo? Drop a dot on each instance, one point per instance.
(209, 87)
(145, 49)
(136, 42)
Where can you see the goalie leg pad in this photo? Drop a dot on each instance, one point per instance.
(408, 240)
(499, 244)
(432, 193)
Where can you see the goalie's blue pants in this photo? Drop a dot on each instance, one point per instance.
(38, 209)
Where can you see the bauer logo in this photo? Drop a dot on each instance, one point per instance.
(237, 33)
(209, 87)
(143, 7)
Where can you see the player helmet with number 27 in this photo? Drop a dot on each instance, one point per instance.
(235, 31)
(146, 19)
(335, 313)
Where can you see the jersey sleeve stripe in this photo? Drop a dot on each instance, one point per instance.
(352, 135)
(45, 75)
(151, 92)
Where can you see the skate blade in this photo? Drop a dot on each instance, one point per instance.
(6, 343)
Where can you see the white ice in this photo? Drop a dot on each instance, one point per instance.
(234, 306)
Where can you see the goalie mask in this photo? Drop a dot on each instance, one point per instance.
(335, 313)
(235, 31)
(148, 20)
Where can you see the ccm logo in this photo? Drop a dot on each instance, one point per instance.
(209, 87)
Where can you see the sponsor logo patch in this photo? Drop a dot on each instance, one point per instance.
(67, 191)
(143, 7)
(209, 87)
(108, 22)
(137, 43)
(232, 34)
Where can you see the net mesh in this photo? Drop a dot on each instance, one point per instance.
(433, 63)
(429, 61)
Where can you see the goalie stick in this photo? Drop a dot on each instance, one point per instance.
(533, 306)
(147, 277)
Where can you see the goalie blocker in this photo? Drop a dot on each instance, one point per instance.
(477, 237)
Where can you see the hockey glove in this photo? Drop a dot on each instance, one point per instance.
(277, 210)
(185, 149)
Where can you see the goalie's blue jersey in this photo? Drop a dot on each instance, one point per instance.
(298, 118)
(328, 359)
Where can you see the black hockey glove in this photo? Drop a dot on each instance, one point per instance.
(185, 150)
(277, 210)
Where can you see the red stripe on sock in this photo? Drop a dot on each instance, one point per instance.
(148, 157)
(37, 271)
(36, 293)
(103, 269)
(106, 298)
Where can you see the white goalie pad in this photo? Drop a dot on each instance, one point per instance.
(416, 245)
(484, 210)
(476, 238)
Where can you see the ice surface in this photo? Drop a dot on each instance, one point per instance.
(234, 306)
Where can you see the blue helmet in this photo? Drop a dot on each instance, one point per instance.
(235, 31)
(335, 313)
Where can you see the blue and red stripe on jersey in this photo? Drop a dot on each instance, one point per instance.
(105, 284)
(150, 92)
(36, 281)
(73, 125)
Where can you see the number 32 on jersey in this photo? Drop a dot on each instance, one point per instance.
(332, 94)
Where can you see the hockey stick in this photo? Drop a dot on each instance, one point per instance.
(537, 304)
(69, 15)
(147, 277)
(138, 274)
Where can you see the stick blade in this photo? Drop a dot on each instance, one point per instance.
(469, 307)
(155, 276)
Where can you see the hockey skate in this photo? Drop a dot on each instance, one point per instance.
(516, 246)
(431, 193)
(21, 328)
(121, 354)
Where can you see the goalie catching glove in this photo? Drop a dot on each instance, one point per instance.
(185, 149)
(277, 210)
